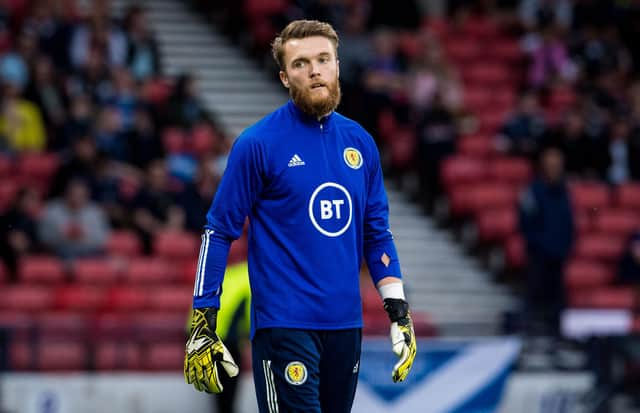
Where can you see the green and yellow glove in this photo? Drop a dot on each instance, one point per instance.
(403, 338)
(205, 351)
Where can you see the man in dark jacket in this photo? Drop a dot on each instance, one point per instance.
(546, 222)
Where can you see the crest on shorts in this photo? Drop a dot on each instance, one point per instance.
(295, 373)
(352, 157)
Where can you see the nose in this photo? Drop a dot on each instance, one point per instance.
(314, 69)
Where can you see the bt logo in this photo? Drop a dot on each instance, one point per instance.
(330, 209)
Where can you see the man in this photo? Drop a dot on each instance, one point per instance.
(310, 181)
(547, 224)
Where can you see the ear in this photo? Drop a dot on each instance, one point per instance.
(338, 68)
(284, 78)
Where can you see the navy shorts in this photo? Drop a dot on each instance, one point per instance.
(306, 371)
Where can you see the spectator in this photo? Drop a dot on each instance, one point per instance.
(143, 56)
(549, 57)
(109, 137)
(100, 32)
(618, 157)
(143, 141)
(21, 126)
(185, 108)
(547, 224)
(197, 196)
(436, 134)
(74, 226)
(44, 91)
(18, 229)
(155, 208)
(523, 131)
(629, 266)
(92, 77)
(577, 148)
(79, 123)
(124, 98)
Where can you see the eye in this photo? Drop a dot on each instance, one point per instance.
(298, 64)
(323, 59)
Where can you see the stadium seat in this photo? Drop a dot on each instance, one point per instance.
(118, 355)
(486, 73)
(600, 246)
(616, 221)
(515, 252)
(61, 355)
(30, 298)
(203, 139)
(462, 169)
(462, 52)
(95, 271)
(476, 99)
(476, 146)
(4, 276)
(517, 171)
(108, 326)
(37, 169)
(41, 269)
(158, 326)
(127, 298)
(17, 322)
(151, 271)
(6, 165)
(157, 91)
(628, 196)
(491, 194)
(386, 123)
(506, 50)
(481, 27)
(21, 355)
(123, 243)
(403, 145)
(80, 298)
(8, 191)
(174, 298)
(164, 357)
(585, 273)
(605, 297)
(172, 245)
(496, 224)
(589, 195)
(62, 325)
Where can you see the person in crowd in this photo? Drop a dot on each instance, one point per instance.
(547, 224)
(523, 130)
(18, 230)
(74, 226)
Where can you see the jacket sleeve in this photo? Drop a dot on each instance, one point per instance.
(379, 248)
(241, 184)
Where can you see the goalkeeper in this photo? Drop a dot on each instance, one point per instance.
(311, 183)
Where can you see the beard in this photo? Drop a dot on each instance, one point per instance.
(316, 106)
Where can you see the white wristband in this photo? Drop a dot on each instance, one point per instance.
(392, 290)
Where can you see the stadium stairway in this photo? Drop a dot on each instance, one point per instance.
(442, 281)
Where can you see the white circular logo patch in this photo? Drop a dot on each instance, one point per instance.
(352, 157)
(330, 209)
(295, 373)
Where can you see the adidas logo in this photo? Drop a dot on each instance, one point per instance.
(295, 161)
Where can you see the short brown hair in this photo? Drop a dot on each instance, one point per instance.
(300, 29)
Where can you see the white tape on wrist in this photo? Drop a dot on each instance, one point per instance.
(392, 290)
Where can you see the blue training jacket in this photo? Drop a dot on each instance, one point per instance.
(314, 194)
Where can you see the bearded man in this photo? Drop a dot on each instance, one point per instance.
(310, 181)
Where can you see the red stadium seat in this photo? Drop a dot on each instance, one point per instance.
(37, 169)
(164, 357)
(628, 196)
(114, 326)
(487, 195)
(4, 276)
(507, 50)
(8, 191)
(95, 271)
(616, 221)
(61, 355)
(403, 145)
(491, 120)
(178, 298)
(496, 224)
(481, 27)
(486, 73)
(62, 326)
(515, 252)
(6, 165)
(588, 195)
(583, 222)
(172, 245)
(157, 91)
(516, 171)
(127, 298)
(118, 355)
(203, 139)
(26, 298)
(41, 269)
(462, 52)
(600, 246)
(157, 326)
(123, 243)
(476, 146)
(150, 271)
(462, 169)
(605, 297)
(387, 124)
(476, 99)
(80, 298)
(583, 273)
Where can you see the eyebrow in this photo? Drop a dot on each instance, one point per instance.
(303, 57)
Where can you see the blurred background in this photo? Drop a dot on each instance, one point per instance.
(509, 132)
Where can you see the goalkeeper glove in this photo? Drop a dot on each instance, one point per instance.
(205, 351)
(403, 338)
